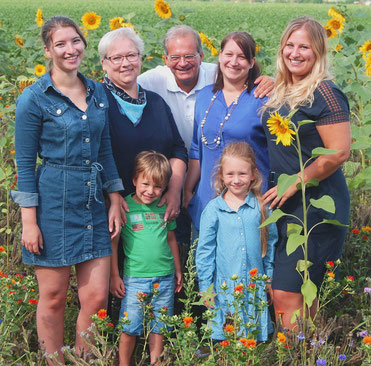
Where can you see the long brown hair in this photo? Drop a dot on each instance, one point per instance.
(243, 151)
(248, 46)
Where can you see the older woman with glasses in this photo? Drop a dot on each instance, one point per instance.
(139, 119)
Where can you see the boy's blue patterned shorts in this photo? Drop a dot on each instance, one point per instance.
(133, 307)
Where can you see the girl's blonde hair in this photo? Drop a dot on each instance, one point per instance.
(302, 92)
(243, 151)
(154, 166)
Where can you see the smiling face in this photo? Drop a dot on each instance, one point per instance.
(124, 75)
(65, 49)
(146, 191)
(298, 55)
(185, 71)
(237, 176)
(233, 63)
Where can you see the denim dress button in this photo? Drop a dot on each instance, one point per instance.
(101, 105)
(87, 139)
(59, 111)
(84, 116)
(87, 162)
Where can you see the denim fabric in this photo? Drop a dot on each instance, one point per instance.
(77, 159)
(131, 305)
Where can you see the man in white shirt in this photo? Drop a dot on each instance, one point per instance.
(184, 75)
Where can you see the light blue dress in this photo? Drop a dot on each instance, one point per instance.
(77, 163)
(229, 244)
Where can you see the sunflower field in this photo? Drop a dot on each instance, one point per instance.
(340, 333)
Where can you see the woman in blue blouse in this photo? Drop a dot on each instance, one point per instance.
(225, 112)
(63, 118)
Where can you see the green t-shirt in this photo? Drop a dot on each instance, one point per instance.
(147, 252)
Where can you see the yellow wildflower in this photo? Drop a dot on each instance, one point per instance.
(339, 47)
(19, 41)
(365, 48)
(214, 51)
(335, 14)
(116, 22)
(331, 33)
(162, 9)
(336, 24)
(281, 128)
(91, 20)
(366, 228)
(39, 17)
(257, 48)
(40, 70)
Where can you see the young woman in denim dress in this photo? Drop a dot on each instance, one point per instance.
(63, 119)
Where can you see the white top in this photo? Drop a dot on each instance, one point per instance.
(162, 81)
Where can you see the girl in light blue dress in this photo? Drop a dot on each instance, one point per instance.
(231, 244)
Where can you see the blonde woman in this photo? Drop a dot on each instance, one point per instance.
(304, 83)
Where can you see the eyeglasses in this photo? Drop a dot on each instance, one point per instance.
(187, 58)
(117, 60)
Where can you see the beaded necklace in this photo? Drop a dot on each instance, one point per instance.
(217, 139)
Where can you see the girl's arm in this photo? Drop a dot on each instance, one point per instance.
(192, 178)
(334, 136)
(172, 195)
(171, 240)
(117, 287)
(206, 248)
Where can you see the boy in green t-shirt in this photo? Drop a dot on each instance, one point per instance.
(152, 261)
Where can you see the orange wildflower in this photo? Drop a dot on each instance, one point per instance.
(331, 274)
(187, 321)
(229, 328)
(253, 272)
(249, 343)
(102, 313)
(224, 343)
(238, 288)
(281, 337)
(367, 340)
(156, 285)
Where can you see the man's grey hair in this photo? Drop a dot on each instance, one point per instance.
(182, 31)
(111, 37)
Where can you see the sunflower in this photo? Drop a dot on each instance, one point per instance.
(91, 20)
(336, 24)
(205, 40)
(19, 41)
(24, 84)
(331, 33)
(339, 47)
(281, 128)
(162, 9)
(116, 22)
(39, 17)
(40, 70)
(127, 24)
(365, 48)
(214, 51)
(335, 14)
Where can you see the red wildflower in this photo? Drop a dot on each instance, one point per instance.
(252, 285)
(331, 263)
(238, 288)
(11, 292)
(2, 249)
(33, 301)
(355, 231)
(365, 237)
(187, 321)
(109, 325)
(350, 278)
(19, 301)
(224, 343)
(156, 285)
(102, 313)
(18, 275)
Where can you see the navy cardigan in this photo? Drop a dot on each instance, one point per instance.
(156, 131)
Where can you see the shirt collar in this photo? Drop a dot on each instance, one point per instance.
(172, 86)
(222, 205)
(46, 82)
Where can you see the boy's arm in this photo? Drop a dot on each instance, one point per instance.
(171, 240)
(117, 287)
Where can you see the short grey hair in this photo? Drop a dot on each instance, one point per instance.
(111, 37)
(182, 31)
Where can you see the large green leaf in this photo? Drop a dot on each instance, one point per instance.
(333, 222)
(294, 229)
(318, 151)
(309, 291)
(293, 242)
(325, 203)
(284, 182)
(274, 217)
(295, 314)
(300, 265)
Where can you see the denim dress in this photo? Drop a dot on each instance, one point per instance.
(229, 244)
(77, 164)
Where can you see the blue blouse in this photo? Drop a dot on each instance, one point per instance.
(243, 125)
(229, 244)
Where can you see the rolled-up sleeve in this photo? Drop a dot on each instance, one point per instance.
(28, 121)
